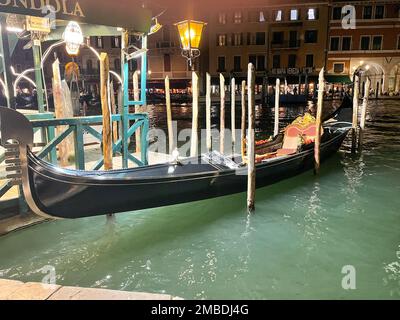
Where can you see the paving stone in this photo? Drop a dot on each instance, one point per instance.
(74, 293)
(33, 291)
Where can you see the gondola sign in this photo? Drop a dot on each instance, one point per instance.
(127, 14)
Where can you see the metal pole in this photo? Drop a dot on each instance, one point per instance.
(38, 74)
(6, 60)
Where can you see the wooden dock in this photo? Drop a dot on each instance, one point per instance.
(17, 290)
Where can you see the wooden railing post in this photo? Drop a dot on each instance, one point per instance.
(208, 112)
(277, 95)
(243, 122)
(233, 114)
(171, 143)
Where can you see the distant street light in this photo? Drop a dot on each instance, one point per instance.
(190, 33)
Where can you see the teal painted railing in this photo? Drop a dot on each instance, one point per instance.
(77, 127)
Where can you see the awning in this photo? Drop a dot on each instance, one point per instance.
(338, 79)
(127, 14)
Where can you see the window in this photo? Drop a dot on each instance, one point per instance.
(398, 42)
(377, 43)
(293, 39)
(116, 42)
(311, 36)
(237, 39)
(294, 15)
(337, 13)
(253, 59)
(260, 38)
(367, 12)
(379, 12)
(279, 15)
(89, 66)
(221, 64)
(292, 61)
(262, 17)
(364, 42)
(338, 67)
(335, 43)
(309, 61)
(346, 43)
(237, 17)
(312, 14)
(221, 40)
(222, 18)
(277, 37)
(260, 63)
(167, 63)
(99, 42)
(117, 64)
(276, 61)
(237, 63)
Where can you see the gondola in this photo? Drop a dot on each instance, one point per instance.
(55, 192)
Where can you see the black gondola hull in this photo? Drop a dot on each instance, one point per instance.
(73, 194)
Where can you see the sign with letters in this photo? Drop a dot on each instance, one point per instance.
(127, 14)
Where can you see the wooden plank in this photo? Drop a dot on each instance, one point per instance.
(222, 114)
(195, 115)
(106, 110)
(251, 157)
(171, 143)
(317, 145)
(208, 112)
(113, 111)
(64, 148)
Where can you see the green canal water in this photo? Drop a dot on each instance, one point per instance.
(304, 231)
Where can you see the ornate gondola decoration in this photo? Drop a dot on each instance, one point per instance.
(55, 192)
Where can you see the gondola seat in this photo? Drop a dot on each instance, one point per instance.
(295, 137)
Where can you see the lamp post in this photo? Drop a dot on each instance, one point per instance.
(190, 33)
(73, 38)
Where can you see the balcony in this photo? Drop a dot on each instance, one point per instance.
(291, 44)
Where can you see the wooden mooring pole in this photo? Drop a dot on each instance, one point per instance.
(356, 91)
(251, 157)
(171, 143)
(106, 110)
(195, 111)
(277, 95)
(317, 145)
(222, 114)
(233, 114)
(208, 112)
(364, 113)
(243, 122)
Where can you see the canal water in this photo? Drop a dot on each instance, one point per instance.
(304, 233)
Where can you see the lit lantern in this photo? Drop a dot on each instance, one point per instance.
(73, 38)
(190, 33)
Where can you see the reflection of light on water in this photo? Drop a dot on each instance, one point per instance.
(313, 218)
(354, 172)
(393, 275)
(245, 258)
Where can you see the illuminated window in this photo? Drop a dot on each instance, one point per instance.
(221, 40)
(99, 42)
(237, 18)
(294, 14)
(222, 18)
(312, 14)
(237, 39)
(278, 15)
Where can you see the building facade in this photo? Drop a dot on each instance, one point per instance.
(373, 46)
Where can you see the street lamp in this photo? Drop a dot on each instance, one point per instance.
(73, 38)
(190, 33)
